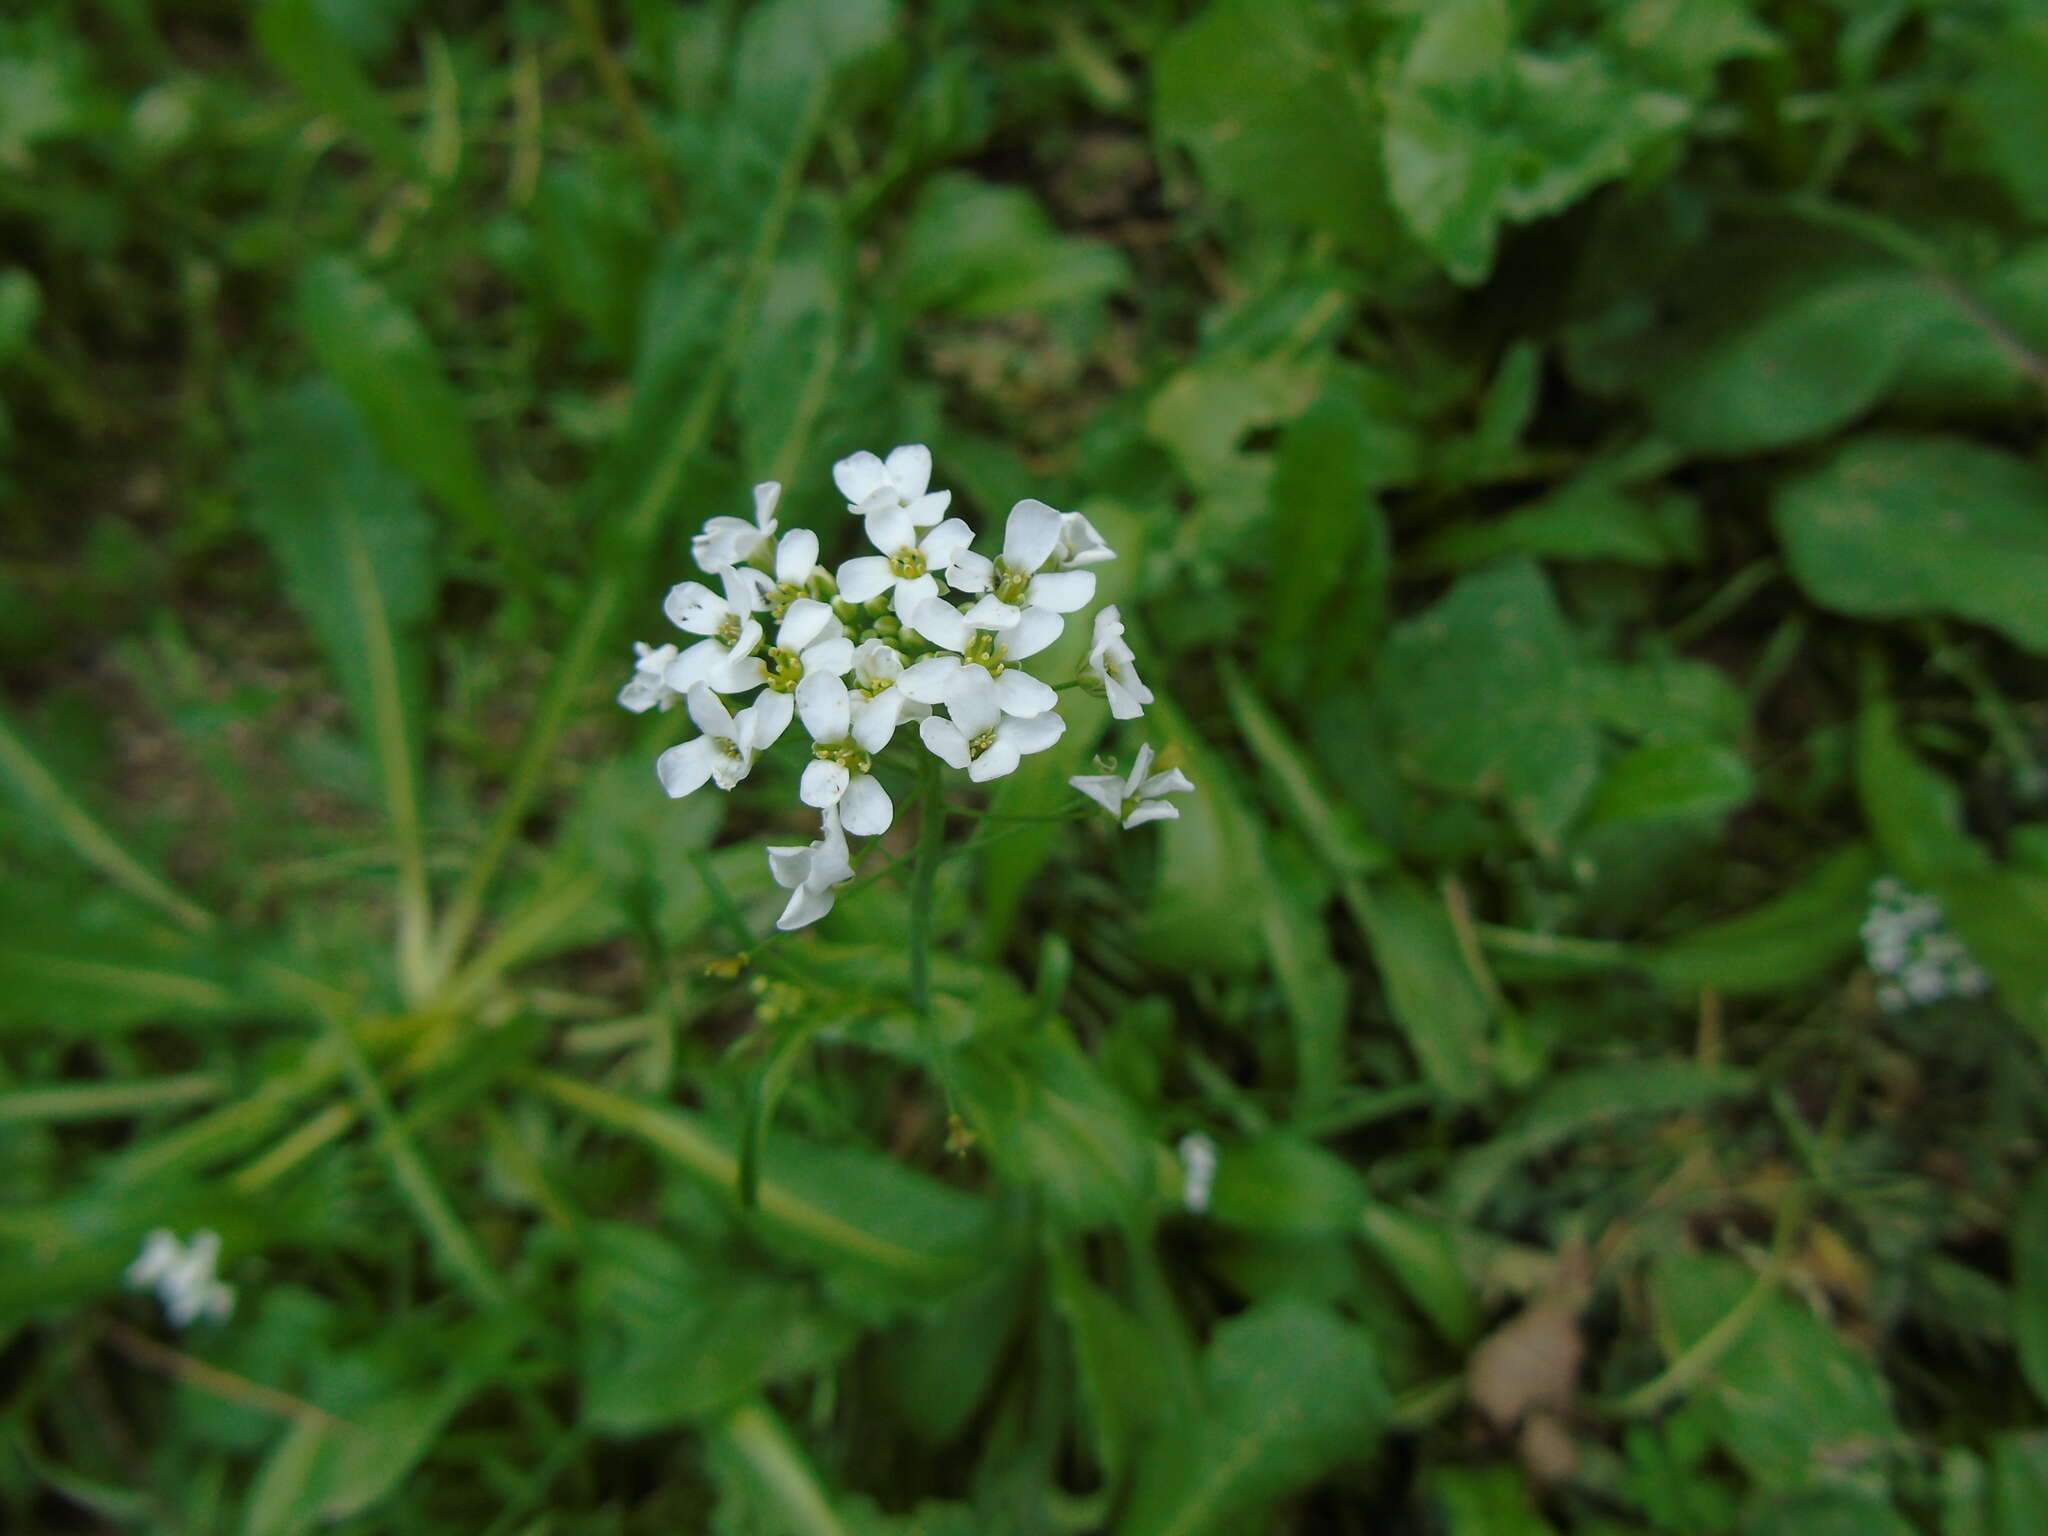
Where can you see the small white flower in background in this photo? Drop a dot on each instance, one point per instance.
(1198, 1171)
(907, 566)
(811, 875)
(182, 1276)
(727, 623)
(1908, 943)
(1017, 580)
(725, 753)
(976, 735)
(1078, 545)
(953, 636)
(1112, 669)
(648, 687)
(872, 485)
(734, 540)
(1139, 797)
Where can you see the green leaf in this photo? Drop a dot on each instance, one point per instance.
(1786, 943)
(1893, 527)
(1267, 97)
(1914, 814)
(1580, 1103)
(1485, 698)
(1670, 780)
(387, 366)
(1681, 43)
(2001, 914)
(1316, 990)
(976, 250)
(2029, 1241)
(1430, 987)
(1123, 1385)
(357, 551)
(1486, 1501)
(1325, 824)
(21, 301)
(2019, 1482)
(1826, 1512)
(791, 53)
(2004, 106)
(1292, 1392)
(1584, 520)
(307, 50)
(1791, 1402)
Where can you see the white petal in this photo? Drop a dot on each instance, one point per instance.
(737, 674)
(694, 665)
(926, 681)
(1034, 734)
(910, 466)
(944, 740)
(834, 656)
(789, 866)
(1105, 789)
(796, 556)
(823, 784)
(744, 587)
(1036, 629)
(709, 715)
(890, 530)
(971, 572)
(1061, 591)
(874, 720)
(991, 612)
(875, 661)
(683, 769)
(940, 622)
(998, 760)
(859, 476)
(864, 576)
(971, 700)
(821, 700)
(1139, 769)
(727, 771)
(1127, 696)
(1152, 810)
(1023, 695)
(803, 622)
(865, 810)
(913, 594)
(1171, 782)
(950, 538)
(692, 606)
(1080, 543)
(766, 495)
(766, 719)
(1030, 534)
(807, 903)
(928, 509)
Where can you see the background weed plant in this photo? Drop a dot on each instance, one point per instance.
(1578, 480)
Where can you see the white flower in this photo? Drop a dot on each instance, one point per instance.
(1137, 799)
(906, 564)
(1111, 667)
(727, 623)
(973, 648)
(734, 540)
(1908, 943)
(870, 485)
(796, 562)
(810, 640)
(978, 736)
(648, 688)
(811, 875)
(878, 704)
(725, 752)
(183, 1276)
(1198, 1171)
(838, 774)
(1079, 544)
(1016, 581)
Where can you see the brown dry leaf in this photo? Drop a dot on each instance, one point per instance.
(1532, 1360)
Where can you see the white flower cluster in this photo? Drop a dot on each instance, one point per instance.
(1198, 1158)
(923, 629)
(182, 1276)
(1908, 943)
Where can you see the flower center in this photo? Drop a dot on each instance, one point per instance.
(844, 753)
(1010, 583)
(908, 563)
(779, 597)
(785, 669)
(976, 745)
(729, 627)
(873, 687)
(985, 650)
(726, 747)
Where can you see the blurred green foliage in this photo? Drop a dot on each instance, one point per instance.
(1578, 473)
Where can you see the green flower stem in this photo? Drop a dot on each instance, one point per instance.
(931, 832)
(764, 1444)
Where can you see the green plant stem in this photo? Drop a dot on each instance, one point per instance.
(931, 832)
(761, 1441)
(642, 527)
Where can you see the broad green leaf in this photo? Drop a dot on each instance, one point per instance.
(2019, 1483)
(1486, 1501)
(1826, 1512)
(1580, 1103)
(1792, 1402)
(1281, 1185)
(2002, 914)
(388, 367)
(1199, 917)
(940, 1363)
(21, 301)
(1914, 814)
(1961, 363)
(357, 551)
(1484, 693)
(1325, 824)
(1292, 1391)
(977, 250)
(1123, 1385)
(1316, 990)
(791, 53)
(307, 50)
(1781, 362)
(1681, 43)
(1581, 521)
(1786, 943)
(1665, 698)
(1430, 987)
(2005, 108)
(1268, 99)
(1667, 780)
(1894, 526)
(2029, 1243)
